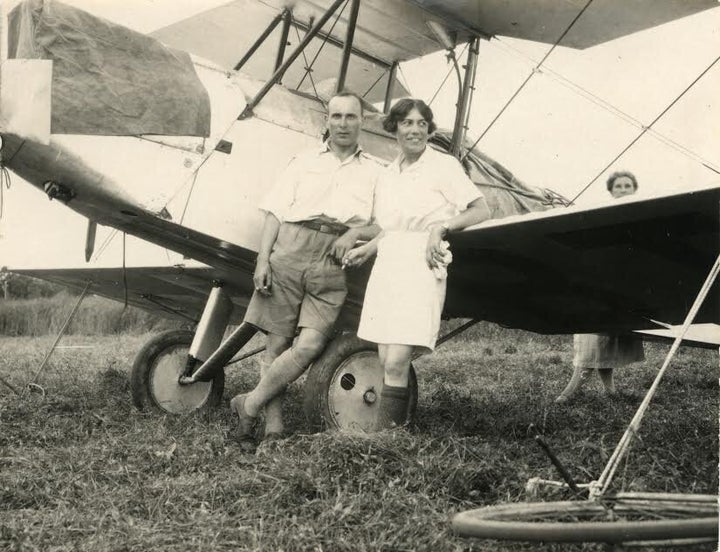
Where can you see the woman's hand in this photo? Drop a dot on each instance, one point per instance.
(434, 252)
(263, 277)
(358, 256)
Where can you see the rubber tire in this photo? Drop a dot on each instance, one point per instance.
(322, 372)
(518, 522)
(144, 364)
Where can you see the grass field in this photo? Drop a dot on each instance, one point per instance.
(81, 469)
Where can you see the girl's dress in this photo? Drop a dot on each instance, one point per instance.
(404, 297)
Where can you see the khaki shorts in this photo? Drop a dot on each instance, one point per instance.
(308, 286)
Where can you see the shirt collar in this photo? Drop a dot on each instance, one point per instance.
(325, 148)
(401, 156)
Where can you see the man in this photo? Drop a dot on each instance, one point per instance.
(604, 352)
(318, 209)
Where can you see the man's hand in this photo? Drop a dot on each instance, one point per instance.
(358, 256)
(343, 244)
(434, 252)
(263, 277)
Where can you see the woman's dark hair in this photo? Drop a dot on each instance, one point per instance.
(618, 174)
(401, 109)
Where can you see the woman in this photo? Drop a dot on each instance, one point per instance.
(602, 352)
(422, 196)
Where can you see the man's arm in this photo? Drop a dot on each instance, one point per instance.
(263, 273)
(348, 240)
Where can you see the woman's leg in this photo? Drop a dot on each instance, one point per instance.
(579, 376)
(392, 409)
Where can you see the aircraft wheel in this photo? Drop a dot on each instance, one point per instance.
(155, 373)
(342, 390)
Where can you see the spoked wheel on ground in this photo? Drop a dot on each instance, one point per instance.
(155, 374)
(342, 390)
(627, 518)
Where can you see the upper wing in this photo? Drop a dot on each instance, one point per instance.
(398, 30)
(545, 21)
(588, 270)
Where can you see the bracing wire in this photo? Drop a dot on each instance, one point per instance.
(603, 104)
(447, 75)
(645, 129)
(535, 70)
(307, 67)
(327, 36)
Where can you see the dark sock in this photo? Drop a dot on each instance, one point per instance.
(392, 411)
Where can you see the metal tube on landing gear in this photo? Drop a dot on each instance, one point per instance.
(224, 353)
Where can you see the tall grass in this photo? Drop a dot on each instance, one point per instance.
(96, 316)
(81, 469)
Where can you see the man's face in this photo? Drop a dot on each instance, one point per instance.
(622, 186)
(412, 133)
(344, 121)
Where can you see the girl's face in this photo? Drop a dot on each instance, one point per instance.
(412, 133)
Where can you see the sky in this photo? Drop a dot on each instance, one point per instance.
(555, 134)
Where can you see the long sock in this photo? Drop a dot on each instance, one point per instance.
(606, 377)
(579, 377)
(392, 410)
(273, 408)
(282, 371)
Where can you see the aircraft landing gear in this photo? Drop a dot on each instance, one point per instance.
(156, 372)
(181, 371)
(342, 390)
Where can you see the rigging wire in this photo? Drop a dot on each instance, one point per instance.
(447, 75)
(327, 36)
(535, 70)
(297, 32)
(645, 129)
(382, 74)
(603, 104)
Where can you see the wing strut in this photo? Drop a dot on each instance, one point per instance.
(390, 90)
(463, 109)
(247, 112)
(347, 48)
(270, 28)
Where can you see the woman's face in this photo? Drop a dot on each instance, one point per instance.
(622, 186)
(412, 133)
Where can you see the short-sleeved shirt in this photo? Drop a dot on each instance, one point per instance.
(431, 190)
(318, 185)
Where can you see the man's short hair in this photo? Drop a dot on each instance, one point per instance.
(351, 94)
(401, 109)
(618, 174)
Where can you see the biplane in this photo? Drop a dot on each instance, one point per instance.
(172, 138)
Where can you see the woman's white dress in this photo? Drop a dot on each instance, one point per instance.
(404, 298)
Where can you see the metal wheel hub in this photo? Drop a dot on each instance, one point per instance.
(165, 389)
(353, 392)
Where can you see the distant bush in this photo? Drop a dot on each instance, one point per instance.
(96, 316)
(25, 287)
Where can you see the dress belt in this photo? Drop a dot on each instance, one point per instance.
(325, 228)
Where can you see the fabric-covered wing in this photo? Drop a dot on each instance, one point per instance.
(174, 292)
(546, 20)
(398, 30)
(590, 270)
(224, 34)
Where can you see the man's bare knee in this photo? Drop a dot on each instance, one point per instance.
(309, 345)
(275, 345)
